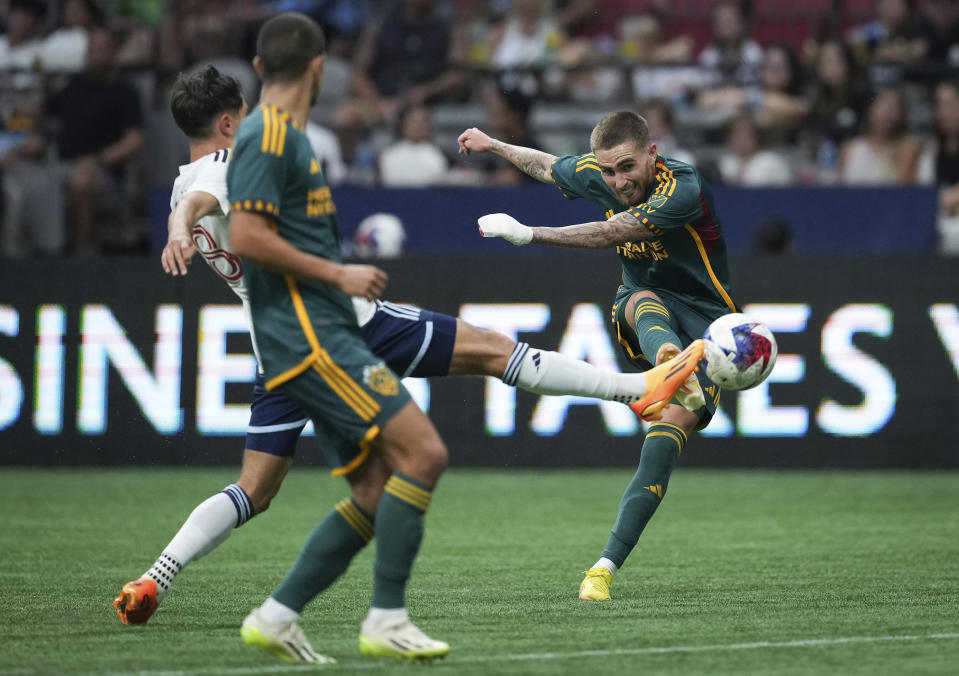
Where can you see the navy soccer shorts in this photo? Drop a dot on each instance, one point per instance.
(414, 343)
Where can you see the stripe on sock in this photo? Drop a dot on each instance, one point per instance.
(669, 431)
(515, 363)
(242, 503)
(409, 493)
(357, 520)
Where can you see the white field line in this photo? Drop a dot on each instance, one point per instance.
(579, 654)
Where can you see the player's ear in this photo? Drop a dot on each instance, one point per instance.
(316, 64)
(258, 66)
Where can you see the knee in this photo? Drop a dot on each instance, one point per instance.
(261, 494)
(431, 461)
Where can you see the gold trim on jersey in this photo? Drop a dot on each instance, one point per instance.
(709, 268)
(274, 130)
(254, 206)
(338, 380)
(365, 445)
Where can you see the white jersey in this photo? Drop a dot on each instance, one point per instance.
(211, 234)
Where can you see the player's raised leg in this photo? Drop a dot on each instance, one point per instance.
(649, 318)
(480, 351)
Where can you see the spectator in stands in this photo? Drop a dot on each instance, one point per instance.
(326, 147)
(529, 36)
(413, 159)
(839, 94)
(508, 112)
(100, 134)
(745, 162)
(732, 54)
(939, 163)
(838, 98)
(31, 221)
(408, 56)
(940, 30)
(20, 46)
(777, 102)
(355, 126)
(893, 36)
(205, 34)
(65, 49)
(659, 118)
(884, 153)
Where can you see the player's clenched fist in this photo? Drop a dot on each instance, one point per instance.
(362, 280)
(505, 226)
(474, 139)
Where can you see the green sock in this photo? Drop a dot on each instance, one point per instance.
(661, 450)
(326, 555)
(651, 322)
(399, 532)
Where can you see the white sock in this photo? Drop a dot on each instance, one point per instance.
(607, 564)
(546, 372)
(378, 617)
(274, 612)
(208, 525)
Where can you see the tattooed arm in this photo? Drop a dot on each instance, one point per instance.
(530, 161)
(621, 228)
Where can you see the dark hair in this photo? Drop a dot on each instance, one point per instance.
(617, 128)
(197, 100)
(286, 44)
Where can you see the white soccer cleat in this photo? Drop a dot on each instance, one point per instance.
(284, 640)
(400, 640)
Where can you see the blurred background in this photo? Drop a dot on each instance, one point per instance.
(755, 93)
(830, 129)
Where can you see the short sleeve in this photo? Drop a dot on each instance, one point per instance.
(674, 203)
(564, 175)
(255, 178)
(211, 179)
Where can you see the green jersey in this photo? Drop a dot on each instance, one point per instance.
(273, 172)
(688, 257)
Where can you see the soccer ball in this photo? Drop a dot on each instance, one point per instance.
(740, 352)
(379, 235)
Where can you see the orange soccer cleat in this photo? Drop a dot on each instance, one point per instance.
(137, 601)
(664, 380)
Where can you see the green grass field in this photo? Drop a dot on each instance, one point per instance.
(740, 572)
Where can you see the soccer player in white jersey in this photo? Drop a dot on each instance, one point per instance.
(208, 107)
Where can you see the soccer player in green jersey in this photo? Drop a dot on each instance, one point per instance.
(283, 224)
(660, 218)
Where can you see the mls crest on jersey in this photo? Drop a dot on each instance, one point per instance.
(656, 201)
(381, 380)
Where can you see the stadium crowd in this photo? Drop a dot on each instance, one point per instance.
(755, 93)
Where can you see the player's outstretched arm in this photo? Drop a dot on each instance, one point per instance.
(619, 229)
(251, 237)
(179, 248)
(530, 161)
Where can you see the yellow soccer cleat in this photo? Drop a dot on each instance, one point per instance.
(595, 586)
(137, 601)
(284, 640)
(402, 640)
(665, 381)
